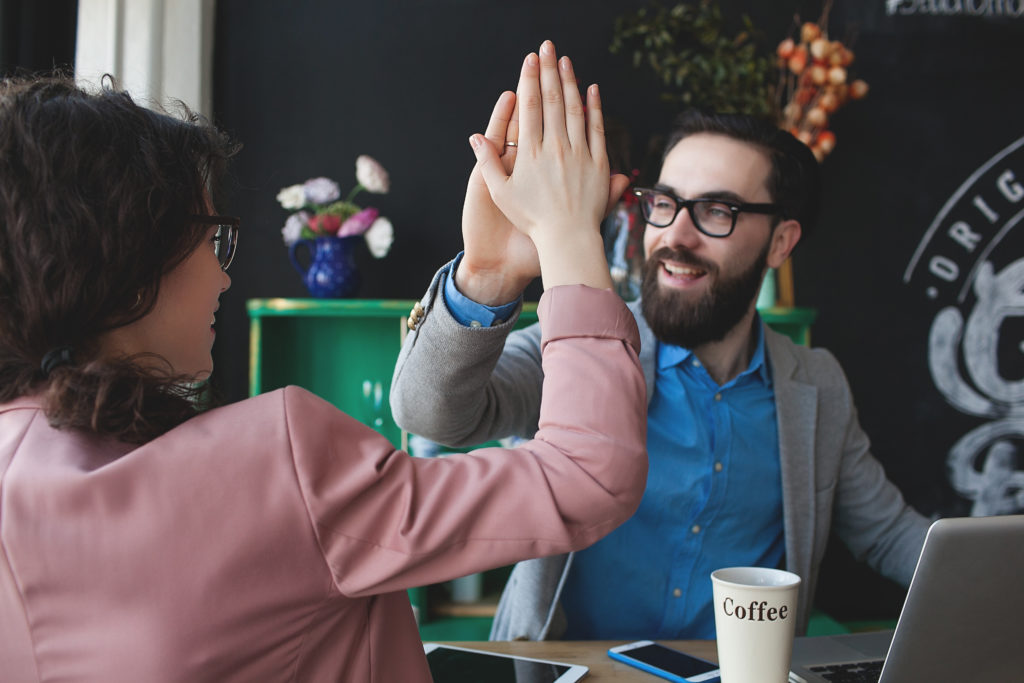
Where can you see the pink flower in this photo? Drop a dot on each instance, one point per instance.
(359, 223)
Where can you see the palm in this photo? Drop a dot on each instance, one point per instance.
(491, 240)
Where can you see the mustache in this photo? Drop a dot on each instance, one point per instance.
(680, 255)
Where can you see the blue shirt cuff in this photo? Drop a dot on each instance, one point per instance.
(469, 312)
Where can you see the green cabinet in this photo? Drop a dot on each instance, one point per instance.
(344, 350)
(792, 322)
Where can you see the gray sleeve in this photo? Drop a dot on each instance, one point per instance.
(462, 386)
(870, 514)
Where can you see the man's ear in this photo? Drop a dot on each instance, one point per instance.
(784, 238)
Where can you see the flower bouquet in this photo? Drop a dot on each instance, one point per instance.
(320, 211)
(329, 226)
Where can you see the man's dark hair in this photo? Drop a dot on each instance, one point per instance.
(795, 180)
(96, 194)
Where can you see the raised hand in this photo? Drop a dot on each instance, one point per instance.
(559, 189)
(499, 260)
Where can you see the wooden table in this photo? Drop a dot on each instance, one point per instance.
(592, 654)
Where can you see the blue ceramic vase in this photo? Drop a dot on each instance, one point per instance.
(332, 269)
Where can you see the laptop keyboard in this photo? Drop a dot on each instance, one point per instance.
(855, 672)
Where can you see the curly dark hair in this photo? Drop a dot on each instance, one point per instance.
(96, 192)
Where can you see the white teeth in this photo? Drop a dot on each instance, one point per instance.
(682, 270)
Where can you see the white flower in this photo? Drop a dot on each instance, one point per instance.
(293, 197)
(379, 237)
(292, 230)
(372, 175)
(321, 190)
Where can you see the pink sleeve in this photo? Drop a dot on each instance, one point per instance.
(387, 521)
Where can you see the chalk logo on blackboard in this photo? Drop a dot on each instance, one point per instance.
(977, 8)
(956, 258)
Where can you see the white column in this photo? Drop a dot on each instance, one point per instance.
(157, 49)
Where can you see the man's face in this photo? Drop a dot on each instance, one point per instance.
(697, 288)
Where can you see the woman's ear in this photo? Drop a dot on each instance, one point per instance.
(784, 238)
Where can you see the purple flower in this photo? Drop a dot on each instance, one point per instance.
(292, 229)
(359, 223)
(321, 190)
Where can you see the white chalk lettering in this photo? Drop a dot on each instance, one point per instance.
(962, 234)
(975, 8)
(985, 209)
(1010, 188)
(944, 268)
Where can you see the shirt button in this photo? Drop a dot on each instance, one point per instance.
(718, 397)
(695, 528)
(676, 593)
(718, 467)
(696, 363)
(475, 323)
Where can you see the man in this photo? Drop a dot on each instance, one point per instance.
(755, 450)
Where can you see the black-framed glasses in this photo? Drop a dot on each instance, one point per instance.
(226, 240)
(713, 217)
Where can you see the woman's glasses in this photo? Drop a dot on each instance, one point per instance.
(226, 240)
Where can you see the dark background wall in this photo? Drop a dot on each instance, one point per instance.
(35, 36)
(309, 85)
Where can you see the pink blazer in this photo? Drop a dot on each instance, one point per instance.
(273, 539)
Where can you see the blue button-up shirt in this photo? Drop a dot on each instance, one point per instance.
(713, 499)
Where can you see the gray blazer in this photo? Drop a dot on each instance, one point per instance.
(461, 385)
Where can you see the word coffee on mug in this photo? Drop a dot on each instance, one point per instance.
(755, 619)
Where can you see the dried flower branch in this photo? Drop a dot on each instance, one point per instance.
(813, 84)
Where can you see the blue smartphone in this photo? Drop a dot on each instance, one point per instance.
(670, 664)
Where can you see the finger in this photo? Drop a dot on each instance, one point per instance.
(595, 125)
(575, 121)
(488, 163)
(501, 117)
(551, 93)
(508, 154)
(513, 125)
(617, 184)
(528, 99)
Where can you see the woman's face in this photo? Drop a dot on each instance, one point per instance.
(179, 328)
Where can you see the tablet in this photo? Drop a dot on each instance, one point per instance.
(449, 664)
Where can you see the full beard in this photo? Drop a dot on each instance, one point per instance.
(674, 319)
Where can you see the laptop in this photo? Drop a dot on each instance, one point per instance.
(962, 620)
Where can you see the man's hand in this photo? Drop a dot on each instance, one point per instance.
(499, 261)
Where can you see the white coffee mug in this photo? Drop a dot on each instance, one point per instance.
(755, 618)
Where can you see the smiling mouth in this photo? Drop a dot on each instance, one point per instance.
(680, 272)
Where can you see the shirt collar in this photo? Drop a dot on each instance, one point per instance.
(670, 355)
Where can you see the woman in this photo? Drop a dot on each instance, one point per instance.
(270, 540)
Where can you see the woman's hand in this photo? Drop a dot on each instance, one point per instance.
(558, 190)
